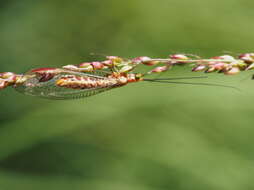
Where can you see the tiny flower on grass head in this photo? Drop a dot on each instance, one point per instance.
(216, 66)
(141, 59)
(179, 56)
(232, 71)
(7, 79)
(160, 69)
(115, 59)
(144, 60)
(250, 67)
(223, 64)
(199, 68)
(228, 58)
(85, 64)
(107, 63)
(70, 67)
(97, 65)
(3, 83)
(210, 69)
(219, 66)
(7, 75)
(86, 67)
(247, 57)
(178, 59)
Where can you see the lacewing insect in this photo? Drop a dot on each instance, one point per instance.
(71, 85)
(90, 78)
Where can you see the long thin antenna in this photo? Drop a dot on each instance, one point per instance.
(179, 78)
(190, 83)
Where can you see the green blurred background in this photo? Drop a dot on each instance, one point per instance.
(143, 136)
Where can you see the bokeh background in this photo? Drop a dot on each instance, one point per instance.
(143, 136)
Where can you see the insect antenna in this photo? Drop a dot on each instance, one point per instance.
(189, 83)
(179, 78)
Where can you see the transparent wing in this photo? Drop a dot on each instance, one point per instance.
(50, 90)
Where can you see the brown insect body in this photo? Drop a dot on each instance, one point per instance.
(91, 82)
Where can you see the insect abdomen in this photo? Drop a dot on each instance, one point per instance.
(87, 82)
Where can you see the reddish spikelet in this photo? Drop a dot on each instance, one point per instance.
(108, 63)
(71, 67)
(85, 64)
(219, 66)
(97, 65)
(160, 69)
(250, 67)
(3, 84)
(179, 56)
(115, 59)
(199, 68)
(232, 71)
(144, 60)
(225, 57)
(8, 79)
(85, 67)
(141, 59)
(7, 75)
(247, 57)
(210, 70)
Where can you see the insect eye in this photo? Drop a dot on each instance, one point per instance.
(45, 77)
